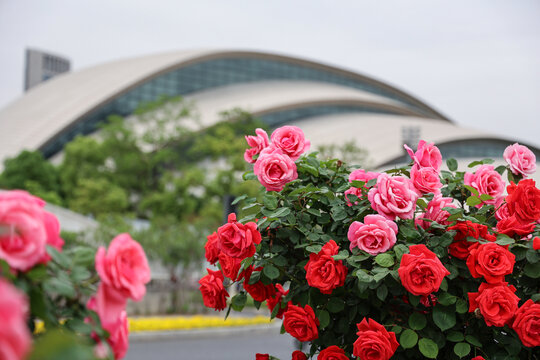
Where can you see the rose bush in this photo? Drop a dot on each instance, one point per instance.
(415, 262)
(79, 296)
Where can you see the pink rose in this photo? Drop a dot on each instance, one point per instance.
(23, 229)
(359, 175)
(487, 181)
(502, 212)
(521, 160)
(107, 303)
(426, 179)
(376, 235)
(274, 169)
(393, 196)
(362, 175)
(119, 336)
(257, 143)
(236, 239)
(15, 338)
(291, 140)
(124, 267)
(426, 155)
(435, 212)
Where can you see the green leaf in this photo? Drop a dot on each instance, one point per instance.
(303, 167)
(335, 305)
(324, 318)
(239, 301)
(532, 270)
(417, 321)
(270, 202)
(79, 274)
(452, 164)
(462, 349)
(485, 197)
(58, 257)
(473, 341)
(338, 213)
(500, 169)
(254, 278)
(414, 300)
(446, 299)
(532, 256)
(60, 287)
(455, 336)
(444, 317)
(281, 212)
(37, 274)
(314, 211)
(83, 256)
(238, 199)
(249, 175)
(473, 201)
(503, 239)
(408, 339)
(382, 292)
(428, 348)
(363, 276)
(384, 260)
(473, 190)
(314, 248)
(399, 250)
(461, 306)
(271, 272)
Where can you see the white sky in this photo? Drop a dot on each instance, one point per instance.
(478, 62)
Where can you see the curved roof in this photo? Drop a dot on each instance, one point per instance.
(52, 113)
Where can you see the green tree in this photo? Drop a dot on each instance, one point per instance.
(30, 171)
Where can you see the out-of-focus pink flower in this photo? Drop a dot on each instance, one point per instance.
(124, 267)
(521, 159)
(15, 338)
(24, 229)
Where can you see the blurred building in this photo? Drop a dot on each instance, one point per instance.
(41, 66)
(332, 105)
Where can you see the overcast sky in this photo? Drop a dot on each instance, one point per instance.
(478, 62)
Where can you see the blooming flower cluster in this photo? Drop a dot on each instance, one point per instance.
(417, 262)
(49, 276)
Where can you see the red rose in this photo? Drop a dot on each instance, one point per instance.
(536, 243)
(276, 300)
(491, 261)
(238, 240)
(258, 291)
(301, 323)
(524, 200)
(374, 341)
(262, 356)
(213, 291)
(230, 266)
(497, 303)
(421, 272)
(298, 355)
(514, 226)
(332, 353)
(527, 323)
(460, 247)
(478, 358)
(323, 272)
(211, 251)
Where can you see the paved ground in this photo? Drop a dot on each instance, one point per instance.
(237, 344)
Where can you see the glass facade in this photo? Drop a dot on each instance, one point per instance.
(280, 117)
(209, 74)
